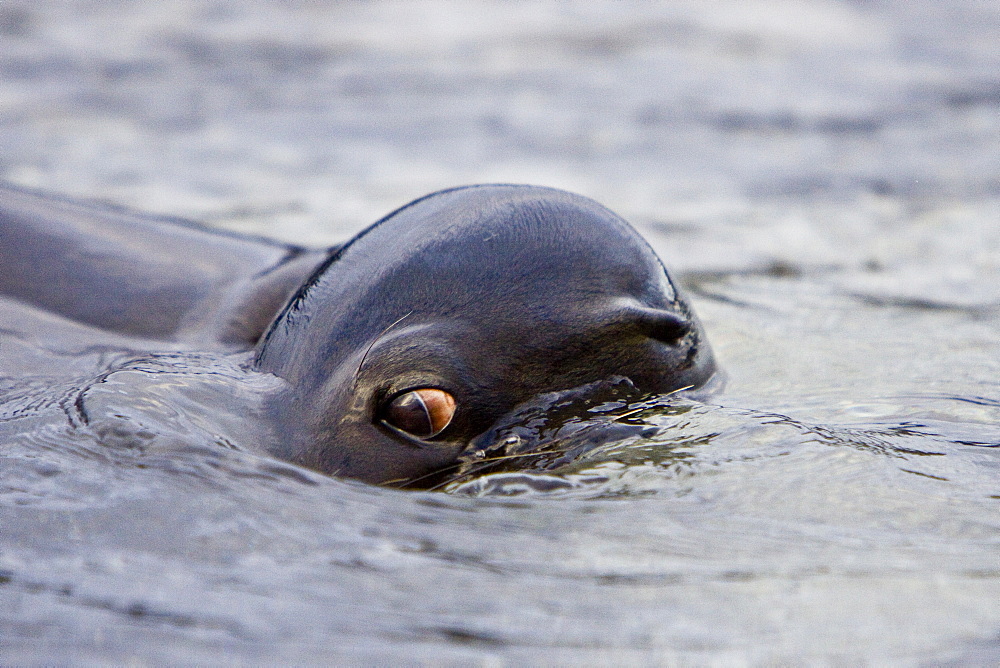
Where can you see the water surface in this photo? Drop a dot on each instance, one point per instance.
(824, 180)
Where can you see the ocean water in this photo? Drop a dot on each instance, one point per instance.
(823, 179)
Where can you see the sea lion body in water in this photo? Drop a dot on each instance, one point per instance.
(150, 277)
(397, 348)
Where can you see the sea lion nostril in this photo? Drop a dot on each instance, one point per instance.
(665, 326)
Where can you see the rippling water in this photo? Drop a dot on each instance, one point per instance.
(822, 177)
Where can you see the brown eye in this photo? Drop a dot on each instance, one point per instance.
(422, 413)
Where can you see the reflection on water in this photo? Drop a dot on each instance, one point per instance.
(821, 176)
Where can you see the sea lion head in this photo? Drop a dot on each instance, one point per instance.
(419, 333)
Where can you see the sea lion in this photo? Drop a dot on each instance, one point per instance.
(399, 347)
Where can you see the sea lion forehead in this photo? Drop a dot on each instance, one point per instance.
(508, 234)
(529, 216)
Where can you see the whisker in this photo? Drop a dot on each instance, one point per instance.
(410, 481)
(526, 454)
(485, 464)
(371, 345)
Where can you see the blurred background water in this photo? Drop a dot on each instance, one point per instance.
(823, 178)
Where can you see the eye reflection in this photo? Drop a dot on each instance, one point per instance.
(422, 413)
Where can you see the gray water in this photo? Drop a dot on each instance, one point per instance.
(822, 177)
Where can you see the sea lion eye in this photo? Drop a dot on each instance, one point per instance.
(423, 413)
